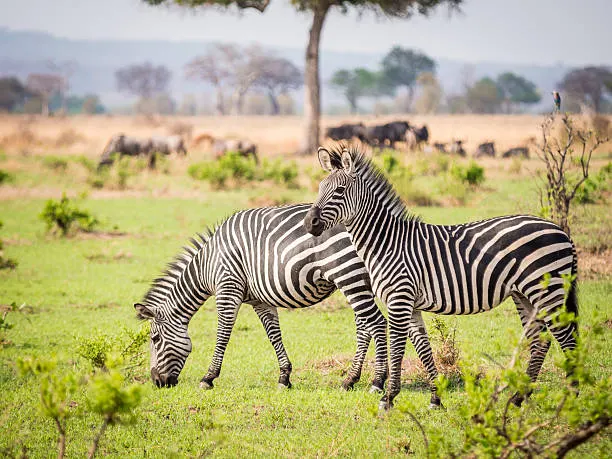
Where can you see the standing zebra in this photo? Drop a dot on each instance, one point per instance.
(458, 269)
(263, 257)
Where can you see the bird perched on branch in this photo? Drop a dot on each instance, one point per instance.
(557, 99)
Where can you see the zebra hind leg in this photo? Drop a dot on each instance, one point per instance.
(418, 337)
(228, 301)
(538, 348)
(268, 315)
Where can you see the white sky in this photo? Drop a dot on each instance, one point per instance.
(573, 32)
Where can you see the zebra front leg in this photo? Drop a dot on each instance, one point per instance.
(363, 342)
(228, 302)
(269, 319)
(418, 337)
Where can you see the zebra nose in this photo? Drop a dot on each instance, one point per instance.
(156, 378)
(312, 221)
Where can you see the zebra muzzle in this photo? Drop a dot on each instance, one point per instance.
(312, 221)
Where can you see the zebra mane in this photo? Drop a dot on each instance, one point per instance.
(374, 178)
(163, 285)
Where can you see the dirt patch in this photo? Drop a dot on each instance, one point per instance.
(103, 235)
(105, 257)
(594, 265)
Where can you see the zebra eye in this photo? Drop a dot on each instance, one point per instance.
(340, 189)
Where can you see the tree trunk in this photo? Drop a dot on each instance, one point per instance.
(312, 100)
(273, 103)
(409, 99)
(45, 106)
(220, 101)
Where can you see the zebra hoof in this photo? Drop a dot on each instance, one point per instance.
(376, 390)
(436, 406)
(206, 385)
(284, 387)
(347, 386)
(384, 406)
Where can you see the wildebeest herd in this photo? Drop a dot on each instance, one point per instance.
(415, 138)
(150, 147)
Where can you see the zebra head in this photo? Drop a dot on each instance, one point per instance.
(335, 203)
(170, 345)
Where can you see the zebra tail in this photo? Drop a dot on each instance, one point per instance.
(571, 304)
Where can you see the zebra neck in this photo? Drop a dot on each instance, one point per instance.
(376, 233)
(192, 288)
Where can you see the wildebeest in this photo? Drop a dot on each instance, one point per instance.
(168, 144)
(516, 151)
(421, 134)
(456, 147)
(122, 144)
(392, 132)
(346, 131)
(243, 147)
(437, 147)
(485, 149)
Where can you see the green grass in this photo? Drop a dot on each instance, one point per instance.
(87, 284)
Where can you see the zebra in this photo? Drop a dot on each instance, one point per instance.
(457, 269)
(265, 258)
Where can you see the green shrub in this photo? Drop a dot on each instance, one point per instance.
(57, 163)
(593, 188)
(5, 177)
(86, 162)
(280, 172)
(456, 190)
(64, 214)
(233, 166)
(473, 174)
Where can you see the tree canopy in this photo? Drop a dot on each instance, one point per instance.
(590, 85)
(319, 9)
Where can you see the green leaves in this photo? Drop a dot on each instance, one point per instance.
(64, 214)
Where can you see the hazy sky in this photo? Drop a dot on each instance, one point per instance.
(574, 32)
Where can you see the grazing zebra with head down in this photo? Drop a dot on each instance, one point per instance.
(263, 257)
(458, 269)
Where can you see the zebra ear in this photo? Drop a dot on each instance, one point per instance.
(143, 311)
(347, 163)
(325, 159)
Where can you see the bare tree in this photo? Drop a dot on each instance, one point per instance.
(65, 69)
(566, 151)
(45, 85)
(277, 76)
(216, 68)
(143, 80)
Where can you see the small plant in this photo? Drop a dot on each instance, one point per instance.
(86, 162)
(64, 214)
(472, 175)
(5, 263)
(280, 172)
(55, 393)
(5, 177)
(112, 399)
(57, 163)
(515, 166)
(95, 349)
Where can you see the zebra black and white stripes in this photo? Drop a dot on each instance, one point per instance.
(459, 269)
(263, 257)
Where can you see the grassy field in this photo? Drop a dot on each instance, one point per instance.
(85, 285)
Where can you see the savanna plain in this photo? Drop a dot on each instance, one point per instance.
(70, 297)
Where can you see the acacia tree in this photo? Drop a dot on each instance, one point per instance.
(484, 96)
(277, 75)
(319, 9)
(355, 84)
(517, 90)
(143, 80)
(402, 67)
(65, 69)
(589, 85)
(215, 67)
(45, 85)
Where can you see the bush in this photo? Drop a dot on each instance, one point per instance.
(593, 188)
(57, 163)
(5, 177)
(63, 214)
(86, 162)
(473, 174)
(234, 166)
(5, 263)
